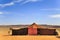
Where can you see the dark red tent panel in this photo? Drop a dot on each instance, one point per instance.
(32, 31)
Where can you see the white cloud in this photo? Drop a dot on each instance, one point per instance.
(27, 1)
(55, 16)
(1, 13)
(4, 12)
(51, 9)
(33, 0)
(10, 4)
(17, 1)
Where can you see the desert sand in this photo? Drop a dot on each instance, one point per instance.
(29, 38)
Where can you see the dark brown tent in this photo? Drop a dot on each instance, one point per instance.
(23, 31)
(46, 31)
(34, 29)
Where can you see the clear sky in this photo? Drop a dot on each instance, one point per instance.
(29, 11)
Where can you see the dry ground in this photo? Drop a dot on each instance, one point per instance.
(29, 38)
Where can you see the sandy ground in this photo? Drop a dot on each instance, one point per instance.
(28, 38)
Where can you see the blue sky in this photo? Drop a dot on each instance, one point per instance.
(29, 11)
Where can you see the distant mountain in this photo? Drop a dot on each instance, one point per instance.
(48, 26)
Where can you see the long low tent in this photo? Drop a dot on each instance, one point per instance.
(34, 29)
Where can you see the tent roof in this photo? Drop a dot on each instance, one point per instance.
(34, 25)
